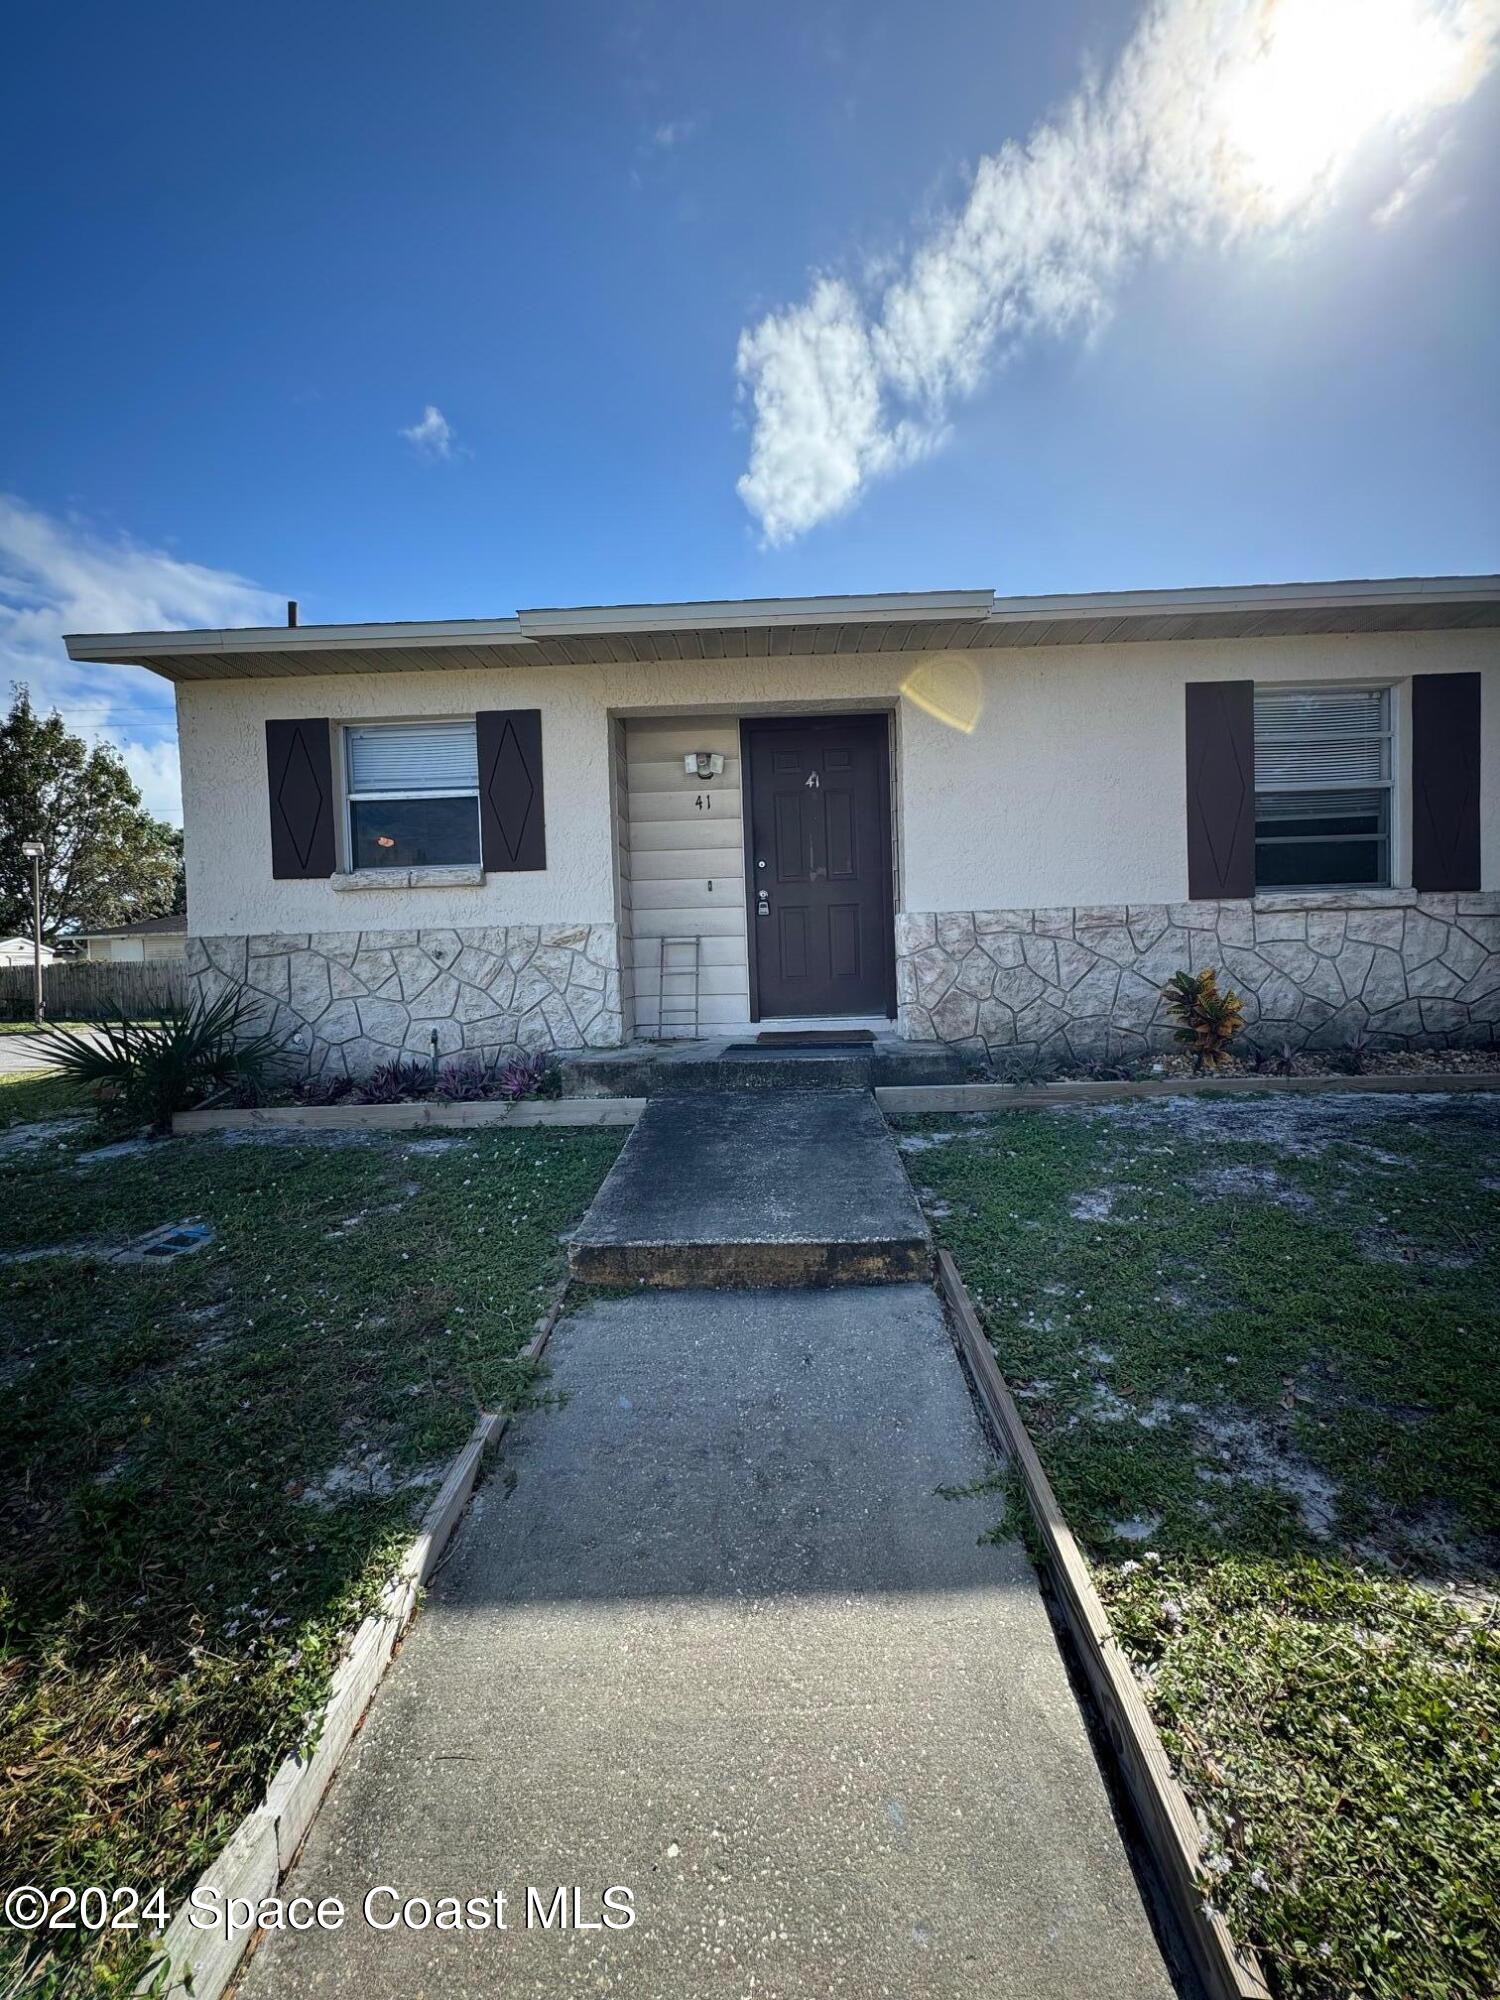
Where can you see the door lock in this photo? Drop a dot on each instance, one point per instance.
(763, 902)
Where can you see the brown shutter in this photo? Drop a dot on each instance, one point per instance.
(299, 779)
(1221, 788)
(512, 829)
(1445, 781)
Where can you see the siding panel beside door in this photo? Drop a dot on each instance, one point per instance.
(299, 790)
(1220, 789)
(1445, 781)
(512, 820)
(685, 834)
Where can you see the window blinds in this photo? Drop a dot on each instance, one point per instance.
(412, 757)
(1309, 738)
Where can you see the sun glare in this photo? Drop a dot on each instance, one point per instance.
(1328, 75)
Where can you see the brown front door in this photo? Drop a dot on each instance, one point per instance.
(819, 865)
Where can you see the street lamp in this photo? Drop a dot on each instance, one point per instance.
(32, 849)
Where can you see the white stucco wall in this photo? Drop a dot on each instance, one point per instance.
(1068, 789)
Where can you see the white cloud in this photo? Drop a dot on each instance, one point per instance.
(60, 576)
(1223, 119)
(670, 133)
(432, 436)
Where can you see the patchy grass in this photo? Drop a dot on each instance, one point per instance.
(1254, 1342)
(27, 1097)
(28, 1026)
(207, 1466)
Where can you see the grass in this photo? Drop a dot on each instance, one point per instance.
(1253, 1341)
(179, 1568)
(28, 1096)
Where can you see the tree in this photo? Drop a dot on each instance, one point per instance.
(105, 860)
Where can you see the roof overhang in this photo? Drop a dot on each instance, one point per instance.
(758, 628)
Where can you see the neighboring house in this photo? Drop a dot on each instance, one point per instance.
(989, 821)
(21, 951)
(149, 941)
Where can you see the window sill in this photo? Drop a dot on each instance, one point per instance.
(468, 876)
(1334, 899)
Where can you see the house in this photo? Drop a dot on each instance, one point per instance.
(148, 941)
(21, 951)
(992, 822)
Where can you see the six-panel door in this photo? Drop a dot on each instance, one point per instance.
(819, 865)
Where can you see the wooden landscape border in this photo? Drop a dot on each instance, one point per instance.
(913, 1099)
(1228, 1971)
(414, 1116)
(200, 1964)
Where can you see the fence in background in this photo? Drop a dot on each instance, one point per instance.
(75, 990)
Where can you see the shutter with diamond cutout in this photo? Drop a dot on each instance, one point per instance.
(299, 781)
(512, 828)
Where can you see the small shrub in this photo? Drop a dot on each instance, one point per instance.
(141, 1072)
(550, 1082)
(393, 1082)
(1356, 1052)
(1285, 1063)
(1207, 1020)
(462, 1082)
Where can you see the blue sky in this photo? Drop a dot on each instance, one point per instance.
(729, 301)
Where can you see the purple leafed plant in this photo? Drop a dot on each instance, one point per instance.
(392, 1082)
(322, 1089)
(520, 1077)
(462, 1082)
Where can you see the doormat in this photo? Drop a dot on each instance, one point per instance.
(816, 1038)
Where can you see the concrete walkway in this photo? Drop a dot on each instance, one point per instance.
(784, 1187)
(723, 1643)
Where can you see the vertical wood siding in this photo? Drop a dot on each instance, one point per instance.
(676, 848)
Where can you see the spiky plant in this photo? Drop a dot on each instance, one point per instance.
(462, 1082)
(141, 1072)
(1207, 1020)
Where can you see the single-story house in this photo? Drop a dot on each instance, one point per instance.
(21, 951)
(148, 941)
(985, 821)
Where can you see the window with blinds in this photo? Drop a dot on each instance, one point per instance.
(413, 790)
(1322, 788)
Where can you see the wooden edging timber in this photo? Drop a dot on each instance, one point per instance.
(916, 1098)
(201, 1963)
(405, 1117)
(1228, 1971)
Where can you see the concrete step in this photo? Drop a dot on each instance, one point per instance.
(785, 1187)
(679, 1069)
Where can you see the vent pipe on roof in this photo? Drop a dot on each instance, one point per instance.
(291, 611)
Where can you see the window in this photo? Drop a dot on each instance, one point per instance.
(1322, 788)
(413, 794)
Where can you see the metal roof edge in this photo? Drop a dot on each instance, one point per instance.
(915, 607)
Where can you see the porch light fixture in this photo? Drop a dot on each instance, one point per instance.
(703, 764)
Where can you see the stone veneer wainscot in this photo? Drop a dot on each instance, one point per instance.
(352, 999)
(1040, 989)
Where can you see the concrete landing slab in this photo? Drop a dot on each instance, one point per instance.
(724, 1644)
(765, 1188)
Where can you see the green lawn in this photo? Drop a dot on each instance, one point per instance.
(207, 1467)
(28, 1097)
(1254, 1341)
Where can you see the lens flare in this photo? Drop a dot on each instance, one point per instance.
(947, 687)
(1328, 75)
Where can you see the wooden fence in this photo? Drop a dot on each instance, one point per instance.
(75, 990)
